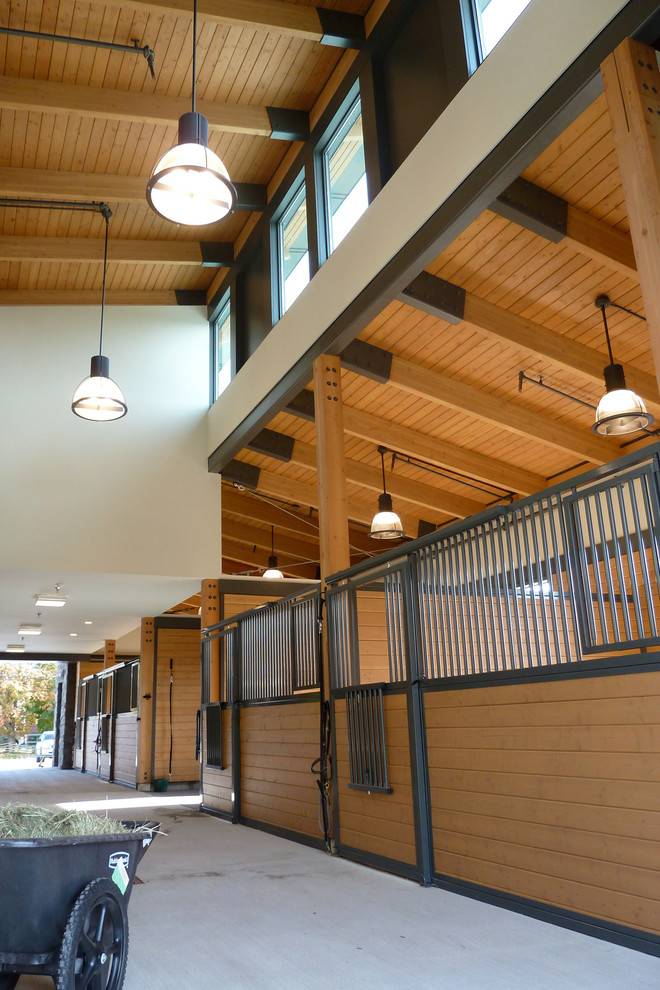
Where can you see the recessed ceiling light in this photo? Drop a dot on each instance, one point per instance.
(15, 648)
(88, 622)
(27, 630)
(50, 601)
(73, 634)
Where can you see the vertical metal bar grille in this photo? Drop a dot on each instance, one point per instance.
(366, 739)
(395, 625)
(213, 715)
(304, 615)
(492, 597)
(339, 636)
(614, 527)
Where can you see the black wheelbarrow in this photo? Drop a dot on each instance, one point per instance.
(63, 907)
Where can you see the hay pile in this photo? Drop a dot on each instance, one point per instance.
(30, 821)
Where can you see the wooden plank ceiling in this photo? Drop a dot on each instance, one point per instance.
(85, 123)
(462, 432)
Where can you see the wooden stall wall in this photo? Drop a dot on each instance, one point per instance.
(550, 792)
(124, 756)
(177, 651)
(217, 785)
(279, 743)
(90, 762)
(376, 824)
(106, 743)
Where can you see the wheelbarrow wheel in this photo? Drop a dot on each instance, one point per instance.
(95, 944)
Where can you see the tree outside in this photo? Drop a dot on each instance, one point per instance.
(27, 697)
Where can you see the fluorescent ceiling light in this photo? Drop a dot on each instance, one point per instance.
(15, 648)
(54, 601)
(26, 630)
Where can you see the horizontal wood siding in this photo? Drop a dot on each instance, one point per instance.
(551, 791)
(381, 824)
(278, 745)
(90, 759)
(124, 763)
(78, 756)
(236, 604)
(216, 783)
(183, 647)
(372, 637)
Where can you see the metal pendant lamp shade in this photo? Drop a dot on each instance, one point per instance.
(272, 573)
(189, 184)
(98, 397)
(386, 524)
(620, 410)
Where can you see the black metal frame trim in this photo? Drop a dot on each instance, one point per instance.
(395, 866)
(284, 833)
(632, 938)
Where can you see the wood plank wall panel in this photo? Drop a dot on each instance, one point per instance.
(184, 647)
(551, 792)
(124, 762)
(372, 637)
(278, 745)
(235, 604)
(216, 783)
(105, 756)
(90, 761)
(78, 757)
(381, 824)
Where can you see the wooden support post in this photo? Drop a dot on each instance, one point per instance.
(210, 616)
(330, 466)
(109, 653)
(333, 510)
(632, 88)
(145, 706)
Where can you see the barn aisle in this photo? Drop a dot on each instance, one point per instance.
(227, 906)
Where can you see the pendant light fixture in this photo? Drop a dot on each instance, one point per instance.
(189, 184)
(386, 524)
(98, 397)
(620, 410)
(273, 573)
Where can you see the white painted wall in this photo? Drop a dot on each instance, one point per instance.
(508, 83)
(129, 497)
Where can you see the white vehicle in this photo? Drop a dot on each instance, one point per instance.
(45, 744)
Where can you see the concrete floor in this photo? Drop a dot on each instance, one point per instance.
(231, 907)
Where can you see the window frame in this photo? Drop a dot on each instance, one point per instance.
(296, 196)
(224, 315)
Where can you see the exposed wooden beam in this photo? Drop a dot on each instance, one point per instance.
(423, 497)
(285, 519)
(41, 95)
(558, 221)
(331, 466)
(87, 297)
(450, 302)
(277, 16)
(384, 366)
(285, 544)
(441, 452)
(600, 242)
(257, 559)
(631, 78)
(446, 391)
(279, 486)
(119, 251)
(43, 183)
